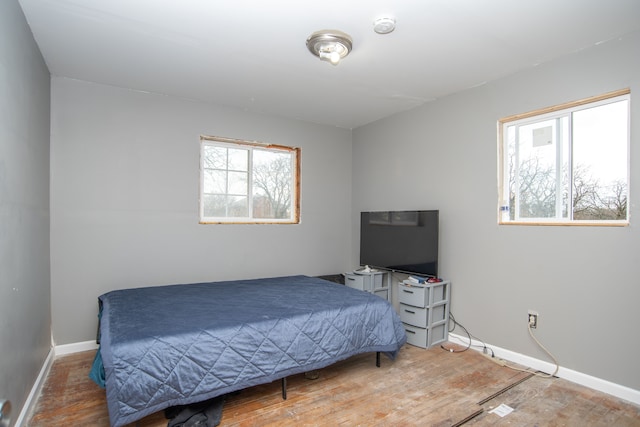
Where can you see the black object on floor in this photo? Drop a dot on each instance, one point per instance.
(202, 414)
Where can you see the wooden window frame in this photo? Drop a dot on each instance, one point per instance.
(542, 112)
(295, 192)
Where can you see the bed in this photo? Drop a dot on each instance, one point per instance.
(179, 344)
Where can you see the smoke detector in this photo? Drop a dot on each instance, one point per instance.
(384, 25)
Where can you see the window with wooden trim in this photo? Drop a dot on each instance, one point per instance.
(566, 165)
(248, 182)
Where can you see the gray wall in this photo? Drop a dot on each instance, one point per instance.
(124, 199)
(124, 173)
(583, 281)
(25, 319)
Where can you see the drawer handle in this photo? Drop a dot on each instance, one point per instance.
(409, 292)
(410, 331)
(409, 311)
(351, 278)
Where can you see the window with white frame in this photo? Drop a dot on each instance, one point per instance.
(248, 182)
(566, 165)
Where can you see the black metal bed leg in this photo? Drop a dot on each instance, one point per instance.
(284, 388)
(378, 359)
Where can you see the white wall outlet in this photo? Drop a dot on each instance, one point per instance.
(532, 318)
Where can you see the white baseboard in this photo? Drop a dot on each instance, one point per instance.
(594, 383)
(55, 351)
(32, 399)
(77, 347)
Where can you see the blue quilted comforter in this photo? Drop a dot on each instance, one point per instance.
(181, 344)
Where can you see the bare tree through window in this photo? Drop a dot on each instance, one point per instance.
(591, 199)
(248, 182)
(272, 184)
(567, 164)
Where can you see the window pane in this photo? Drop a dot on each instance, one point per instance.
(215, 157)
(272, 184)
(541, 179)
(238, 183)
(238, 206)
(215, 205)
(600, 162)
(215, 182)
(238, 160)
(225, 206)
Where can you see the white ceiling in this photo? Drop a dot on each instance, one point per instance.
(251, 54)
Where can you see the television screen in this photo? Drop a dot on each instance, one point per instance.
(404, 241)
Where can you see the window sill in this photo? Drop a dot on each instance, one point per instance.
(569, 223)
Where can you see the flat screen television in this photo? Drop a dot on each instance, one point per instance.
(403, 241)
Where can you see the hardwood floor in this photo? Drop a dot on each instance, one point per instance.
(420, 388)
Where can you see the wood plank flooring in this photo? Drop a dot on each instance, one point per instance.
(420, 388)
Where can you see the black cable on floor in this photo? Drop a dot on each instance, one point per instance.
(455, 323)
(470, 337)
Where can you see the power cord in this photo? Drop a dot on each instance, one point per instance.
(455, 323)
(540, 374)
(492, 356)
(543, 374)
(485, 349)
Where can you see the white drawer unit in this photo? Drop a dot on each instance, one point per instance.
(424, 311)
(374, 282)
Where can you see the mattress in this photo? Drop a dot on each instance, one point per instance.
(179, 344)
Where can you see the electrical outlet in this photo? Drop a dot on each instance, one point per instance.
(532, 319)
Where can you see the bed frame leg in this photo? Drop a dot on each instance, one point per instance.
(284, 388)
(378, 359)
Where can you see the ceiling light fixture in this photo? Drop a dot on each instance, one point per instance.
(384, 25)
(330, 45)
